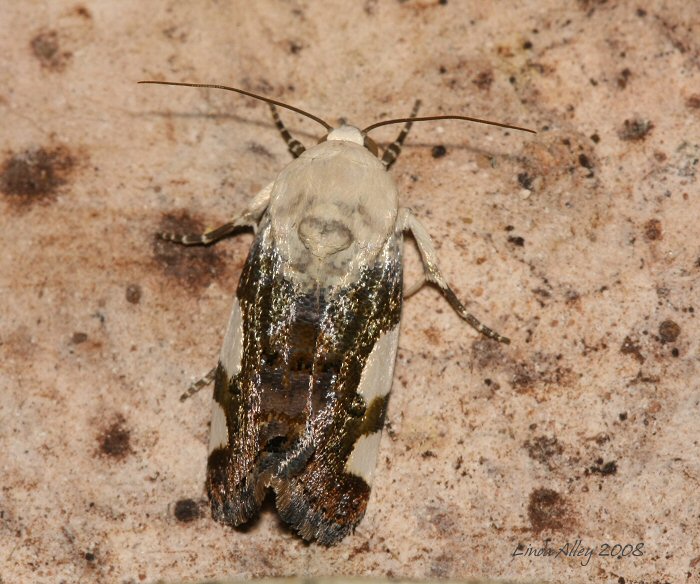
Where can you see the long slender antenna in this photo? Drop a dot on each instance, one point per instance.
(429, 118)
(249, 94)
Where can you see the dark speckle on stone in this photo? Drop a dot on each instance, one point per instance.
(546, 510)
(115, 440)
(256, 148)
(635, 129)
(543, 448)
(623, 78)
(46, 48)
(630, 347)
(83, 12)
(133, 293)
(584, 161)
(525, 180)
(439, 151)
(653, 230)
(483, 80)
(35, 174)
(187, 510)
(669, 331)
(604, 468)
(78, 338)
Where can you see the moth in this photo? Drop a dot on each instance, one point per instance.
(305, 371)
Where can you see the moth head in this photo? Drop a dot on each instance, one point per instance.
(352, 134)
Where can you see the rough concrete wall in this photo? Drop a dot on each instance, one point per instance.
(580, 243)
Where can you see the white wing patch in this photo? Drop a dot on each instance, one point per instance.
(232, 351)
(363, 458)
(230, 358)
(218, 435)
(379, 368)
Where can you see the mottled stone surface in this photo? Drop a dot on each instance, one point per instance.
(580, 243)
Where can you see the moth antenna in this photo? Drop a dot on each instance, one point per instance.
(429, 118)
(249, 94)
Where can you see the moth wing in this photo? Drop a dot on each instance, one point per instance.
(326, 497)
(237, 469)
(301, 392)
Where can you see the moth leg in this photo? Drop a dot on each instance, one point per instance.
(413, 288)
(199, 384)
(394, 149)
(295, 147)
(249, 218)
(408, 222)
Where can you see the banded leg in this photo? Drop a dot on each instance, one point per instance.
(394, 149)
(199, 384)
(295, 147)
(408, 222)
(249, 218)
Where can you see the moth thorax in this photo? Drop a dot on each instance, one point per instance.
(324, 237)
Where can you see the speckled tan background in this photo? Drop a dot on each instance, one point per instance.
(580, 243)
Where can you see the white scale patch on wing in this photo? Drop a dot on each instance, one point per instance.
(379, 368)
(230, 358)
(375, 382)
(363, 458)
(218, 436)
(232, 351)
